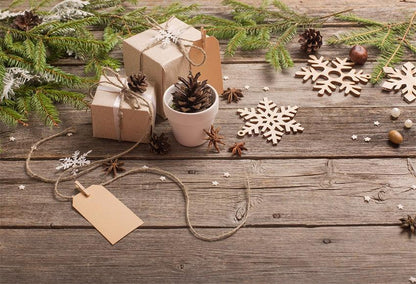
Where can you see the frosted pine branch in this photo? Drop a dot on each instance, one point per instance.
(68, 10)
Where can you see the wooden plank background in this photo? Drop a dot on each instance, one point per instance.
(308, 221)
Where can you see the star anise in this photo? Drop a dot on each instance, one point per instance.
(159, 144)
(237, 148)
(26, 21)
(114, 167)
(214, 138)
(232, 95)
(409, 223)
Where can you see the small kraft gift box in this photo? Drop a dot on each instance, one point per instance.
(121, 114)
(169, 50)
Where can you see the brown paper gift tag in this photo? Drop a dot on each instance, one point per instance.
(211, 69)
(106, 213)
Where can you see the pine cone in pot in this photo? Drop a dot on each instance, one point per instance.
(192, 95)
(310, 40)
(26, 21)
(137, 82)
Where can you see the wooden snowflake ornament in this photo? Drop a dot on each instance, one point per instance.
(404, 78)
(333, 73)
(270, 120)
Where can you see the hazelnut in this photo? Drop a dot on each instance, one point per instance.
(395, 137)
(358, 54)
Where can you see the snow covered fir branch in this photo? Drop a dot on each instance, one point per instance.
(33, 41)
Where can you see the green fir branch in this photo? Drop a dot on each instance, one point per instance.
(271, 26)
(391, 39)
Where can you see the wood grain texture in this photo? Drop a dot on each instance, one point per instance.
(308, 221)
(268, 255)
(306, 192)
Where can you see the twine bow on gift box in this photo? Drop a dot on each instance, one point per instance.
(167, 35)
(133, 99)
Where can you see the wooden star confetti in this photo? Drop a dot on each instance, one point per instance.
(225, 78)
(69, 134)
(22, 187)
(367, 198)
(354, 137)
(145, 167)
(246, 87)
(400, 207)
(227, 174)
(162, 178)
(12, 139)
(266, 89)
(367, 139)
(376, 123)
(412, 280)
(215, 183)
(413, 187)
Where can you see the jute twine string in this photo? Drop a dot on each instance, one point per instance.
(66, 177)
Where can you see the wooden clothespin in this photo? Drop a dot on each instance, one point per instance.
(81, 188)
(203, 37)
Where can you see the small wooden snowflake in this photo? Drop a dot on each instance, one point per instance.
(404, 79)
(337, 72)
(270, 120)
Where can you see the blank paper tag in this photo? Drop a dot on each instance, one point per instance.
(211, 69)
(106, 213)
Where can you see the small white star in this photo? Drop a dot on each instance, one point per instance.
(69, 134)
(266, 89)
(246, 87)
(22, 187)
(354, 137)
(413, 187)
(400, 207)
(145, 167)
(376, 123)
(34, 148)
(412, 279)
(367, 139)
(367, 198)
(12, 139)
(118, 69)
(215, 183)
(162, 178)
(225, 78)
(227, 174)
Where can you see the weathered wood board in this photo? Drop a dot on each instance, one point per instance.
(308, 221)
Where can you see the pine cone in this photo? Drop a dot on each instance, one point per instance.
(137, 82)
(26, 21)
(192, 95)
(310, 40)
(159, 144)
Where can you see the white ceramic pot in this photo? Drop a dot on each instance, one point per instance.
(188, 128)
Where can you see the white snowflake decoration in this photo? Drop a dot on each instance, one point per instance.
(74, 162)
(270, 120)
(167, 36)
(333, 73)
(7, 14)
(13, 79)
(404, 78)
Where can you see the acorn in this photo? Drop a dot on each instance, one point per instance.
(358, 54)
(395, 137)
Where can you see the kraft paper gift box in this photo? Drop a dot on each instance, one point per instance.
(134, 122)
(163, 61)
